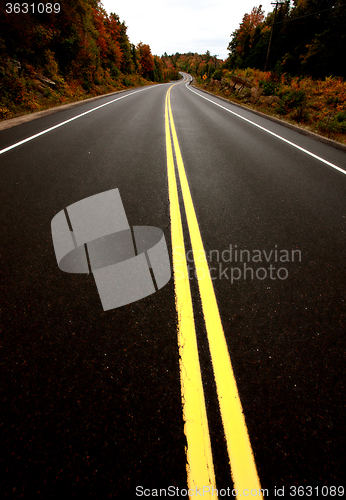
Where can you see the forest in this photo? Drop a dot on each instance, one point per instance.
(307, 37)
(48, 58)
(289, 64)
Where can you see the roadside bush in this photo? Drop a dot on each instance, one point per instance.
(217, 75)
(269, 88)
(341, 117)
(333, 125)
(333, 100)
(14, 88)
(5, 113)
(292, 99)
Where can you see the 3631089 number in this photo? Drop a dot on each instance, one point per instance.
(40, 8)
(317, 491)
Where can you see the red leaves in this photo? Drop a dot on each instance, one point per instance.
(146, 60)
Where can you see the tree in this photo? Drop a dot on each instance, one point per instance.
(243, 38)
(146, 60)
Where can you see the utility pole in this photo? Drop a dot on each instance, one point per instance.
(271, 33)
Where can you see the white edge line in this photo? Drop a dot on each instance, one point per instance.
(69, 120)
(269, 132)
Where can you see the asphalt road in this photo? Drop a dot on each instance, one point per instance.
(91, 403)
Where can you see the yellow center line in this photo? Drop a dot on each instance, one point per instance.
(242, 463)
(200, 469)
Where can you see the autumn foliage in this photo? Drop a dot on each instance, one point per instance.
(145, 59)
(48, 59)
(197, 64)
(317, 105)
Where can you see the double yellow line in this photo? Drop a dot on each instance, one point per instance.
(200, 469)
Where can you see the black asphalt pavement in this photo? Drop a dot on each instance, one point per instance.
(90, 399)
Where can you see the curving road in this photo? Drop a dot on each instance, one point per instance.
(92, 401)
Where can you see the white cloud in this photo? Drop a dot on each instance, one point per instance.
(183, 25)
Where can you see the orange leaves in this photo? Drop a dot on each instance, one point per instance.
(85, 51)
(146, 60)
(250, 22)
(243, 38)
(102, 36)
(114, 33)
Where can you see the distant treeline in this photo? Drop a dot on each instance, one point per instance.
(198, 64)
(82, 49)
(308, 38)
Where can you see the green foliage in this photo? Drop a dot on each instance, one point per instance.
(292, 99)
(333, 100)
(217, 75)
(269, 87)
(341, 117)
(126, 82)
(333, 124)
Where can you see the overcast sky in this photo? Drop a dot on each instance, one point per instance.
(183, 25)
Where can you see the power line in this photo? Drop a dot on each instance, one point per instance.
(271, 32)
(300, 17)
(309, 15)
